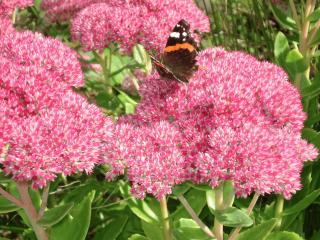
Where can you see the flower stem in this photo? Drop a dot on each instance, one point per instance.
(253, 202)
(31, 211)
(10, 197)
(279, 210)
(165, 219)
(195, 217)
(218, 227)
(44, 201)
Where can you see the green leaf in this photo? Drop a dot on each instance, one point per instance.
(140, 208)
(233, 217)
(311, 136)
(295, 62)
(77, 194)
(105, 100)
(281, 48)
(129, 108)
(113, 229)
(283, 18)
(311, 91)
(115, 67)
(269, 210)
(314, 16)
(55, 215)
(304, 203)
(137, 237)
(124, 98)
(288, 221)
(142, 57)
(259, 232)
(76, 224)
(202, 187)
(6, 206)
(4, 178)
(152, 231)
(284, 236)
(189, 229)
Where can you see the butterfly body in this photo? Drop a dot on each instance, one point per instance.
(178, 61)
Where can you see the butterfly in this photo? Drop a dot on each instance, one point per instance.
(178, 60)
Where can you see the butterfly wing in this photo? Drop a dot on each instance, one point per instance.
(180, 53)
(164, 71)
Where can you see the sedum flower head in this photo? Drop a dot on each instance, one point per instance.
(151, 155)
(131, 22)
(239, 119)
(10, 5)
(49, 129)
(5, 25)
(31, 51)
(62, 10)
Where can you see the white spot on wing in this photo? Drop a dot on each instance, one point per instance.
(178, 25)
(184, 34)
(175, 35)
(183, 40)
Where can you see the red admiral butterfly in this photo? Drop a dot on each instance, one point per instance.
(178, 61)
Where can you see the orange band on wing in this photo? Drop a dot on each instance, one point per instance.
(179, 46)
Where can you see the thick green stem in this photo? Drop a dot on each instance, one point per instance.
(218, 227)
(165, 219)
(44, 201)
(31, 211)
(279, 209)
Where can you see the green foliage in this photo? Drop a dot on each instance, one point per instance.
(259, 232)
(284, 236)
(76, 224)
(189, 229)
(55, 215)
(233, 217)
(6, 206)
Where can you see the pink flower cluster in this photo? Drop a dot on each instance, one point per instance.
(237, 119)
(130, 22)
(49, 128)
(10, 5)
(6, 9)
(5, 24)
(151, 156)
(63, 10)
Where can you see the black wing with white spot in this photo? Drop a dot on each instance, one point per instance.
(180, 34)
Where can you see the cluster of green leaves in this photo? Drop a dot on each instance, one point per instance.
(101, 210)
(300, 58)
